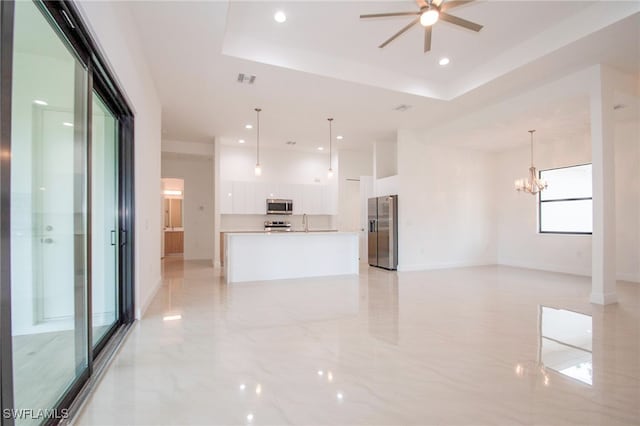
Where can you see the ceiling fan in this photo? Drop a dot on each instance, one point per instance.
(430, 12)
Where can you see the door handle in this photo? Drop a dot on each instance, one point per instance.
(113, 237)
(46, 240)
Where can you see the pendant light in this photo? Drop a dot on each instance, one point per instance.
(258, 169)
(330, 172)
(532, 184)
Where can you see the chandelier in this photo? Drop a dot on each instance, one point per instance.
(532, 184)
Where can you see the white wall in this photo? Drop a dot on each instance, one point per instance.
(385, 159)
(446, 205)
(518, 241)
(115, 32)
(198, 213)
(353, 165)
(237, 163)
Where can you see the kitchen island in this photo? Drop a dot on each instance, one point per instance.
(259, 256)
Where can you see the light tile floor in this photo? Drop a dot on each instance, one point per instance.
(459, 346)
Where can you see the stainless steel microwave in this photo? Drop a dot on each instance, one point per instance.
(278, 206)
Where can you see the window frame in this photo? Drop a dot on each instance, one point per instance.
(540, 201)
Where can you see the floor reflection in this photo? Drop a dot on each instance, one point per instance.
(383, 307)
(566, 342)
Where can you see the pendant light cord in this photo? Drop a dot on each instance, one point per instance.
(330, 141)
(531, 132)
(258, 134)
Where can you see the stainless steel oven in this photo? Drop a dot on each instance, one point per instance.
(279, 206)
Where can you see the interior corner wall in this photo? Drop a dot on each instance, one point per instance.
(385, 159)
(519, 243)
(352, 165)
(446, 205)
(198, 202)
(115, 32)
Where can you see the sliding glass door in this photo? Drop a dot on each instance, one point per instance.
(104, 220)
(66, 186)
(48, 214)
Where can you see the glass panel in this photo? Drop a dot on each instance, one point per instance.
(566, 216)
(48, 214)
(569, 182)
(104, 219)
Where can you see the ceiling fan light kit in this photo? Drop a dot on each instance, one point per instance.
(429, 17)
(430, 13)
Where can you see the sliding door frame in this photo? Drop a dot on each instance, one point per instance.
(6, 82)
(67, 21)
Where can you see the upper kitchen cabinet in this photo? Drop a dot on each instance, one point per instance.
(226, 197)
(248, 197)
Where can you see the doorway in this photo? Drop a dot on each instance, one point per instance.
(172, 217)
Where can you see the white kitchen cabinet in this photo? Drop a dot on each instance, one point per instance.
(237, 197)
(226, 197)
(251, 205)
(312, 199)
(296, 195)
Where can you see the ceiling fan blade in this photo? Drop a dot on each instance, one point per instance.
(427, 39)
(385, 15)
(461, 22)
(422, 3)
(454, 3)
(399, 33)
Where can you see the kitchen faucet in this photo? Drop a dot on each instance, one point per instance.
(305, 222)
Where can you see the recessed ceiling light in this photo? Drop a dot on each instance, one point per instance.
(320, 148)
(39, 102)
(240, 140)
(248, 126)
(339, 138)
(444, 61)
(66, 123)
(280, 17)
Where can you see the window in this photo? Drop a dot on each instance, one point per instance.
(566, 205)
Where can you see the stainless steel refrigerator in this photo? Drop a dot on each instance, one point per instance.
(383, 232)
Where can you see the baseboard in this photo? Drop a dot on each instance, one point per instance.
(621, 276)
(443, 265)
(625, 276)
(145, 305)
(603, 298)
(545, 267)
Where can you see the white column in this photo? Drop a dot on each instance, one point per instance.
(603, 258)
